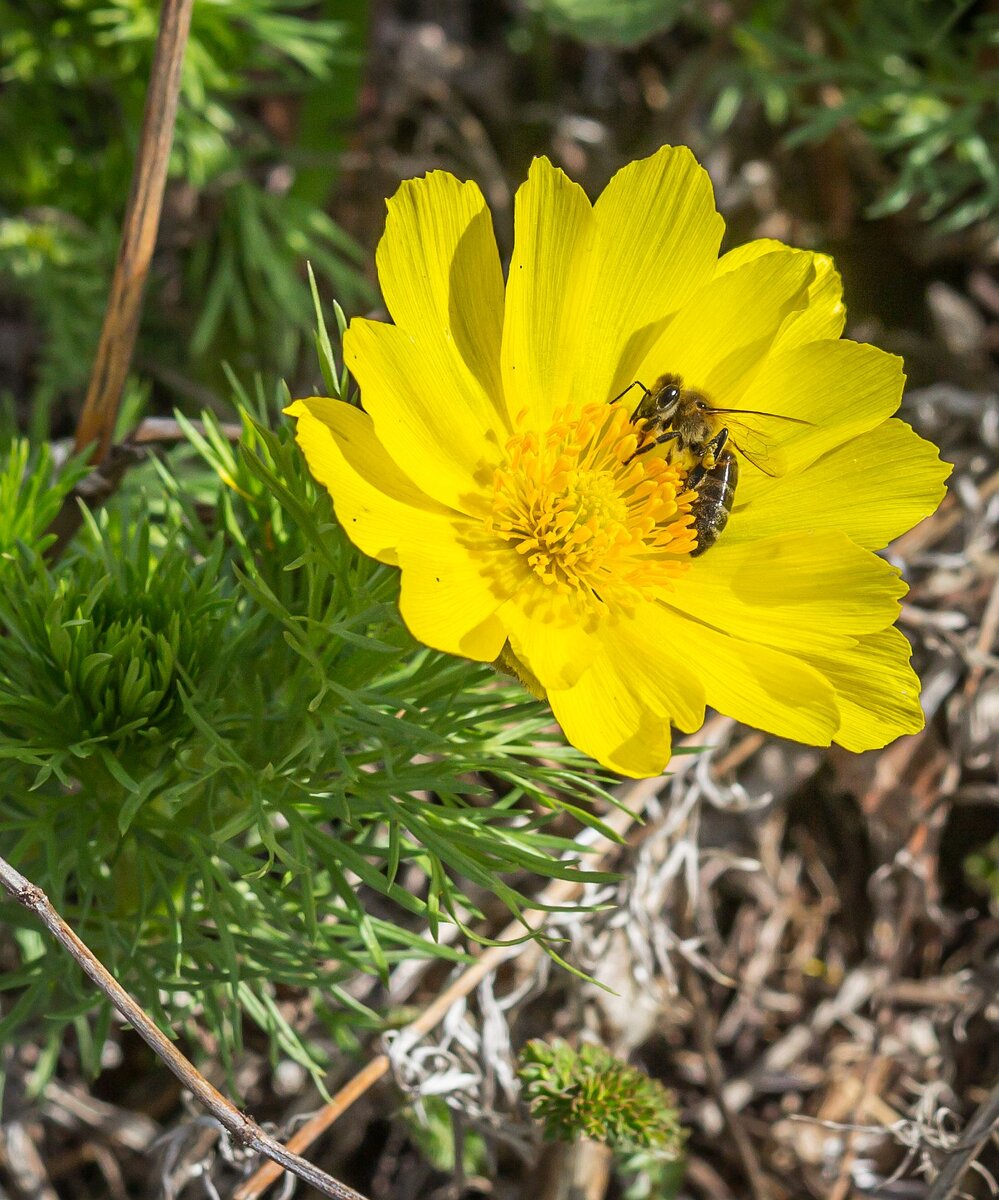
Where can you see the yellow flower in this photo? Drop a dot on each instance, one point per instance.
(491, 465)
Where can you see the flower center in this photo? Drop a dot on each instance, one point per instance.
(586, 515)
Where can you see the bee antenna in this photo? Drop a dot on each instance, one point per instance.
(636, 384)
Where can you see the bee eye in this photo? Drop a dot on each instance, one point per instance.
(672, 395)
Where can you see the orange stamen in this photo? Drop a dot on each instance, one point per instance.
(588, 517)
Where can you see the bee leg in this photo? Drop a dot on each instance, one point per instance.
(709, 458)
(659, 441)
(713, 450)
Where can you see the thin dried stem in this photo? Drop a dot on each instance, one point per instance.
(138, 235)
(704, 1026)
(960, 1160)
(559, 891)
(243, 1129)
(138, 239)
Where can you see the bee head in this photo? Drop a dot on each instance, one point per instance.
(666, 395)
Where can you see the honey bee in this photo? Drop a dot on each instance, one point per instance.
(703, 439)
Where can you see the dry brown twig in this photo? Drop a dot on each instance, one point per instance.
(138, 240)
(138, 236)
(243, 1129)
(705, 1028)
(961, 1157)
(560, 891)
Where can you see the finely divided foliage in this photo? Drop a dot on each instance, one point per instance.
(228, 764)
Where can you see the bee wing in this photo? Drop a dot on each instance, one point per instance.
(758, 438)
(755, 449)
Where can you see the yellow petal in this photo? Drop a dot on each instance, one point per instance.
(602, 716)
(793, 591)
(555, 636)
(876, 690)
(559, 641)
(825, 313)
(547, 295)
(657, 668)
(376, 504)
(637, 682)
(454, 578)
(658, 238)
(621, 718)
(455, 581)
(843, 388)
(721, 337)
(738, 256)
(873, 487)
(440, 274)
(432, 383)
(755, 684)
(421, 415)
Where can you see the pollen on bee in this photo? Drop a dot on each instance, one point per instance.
(585, 515)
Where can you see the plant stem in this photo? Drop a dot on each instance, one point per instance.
(243, 1129)
(138, 235)
(959, 1160)
(95, 427)
(559, 891)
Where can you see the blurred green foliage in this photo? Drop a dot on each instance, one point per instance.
(432, 1127)
(915, 82)
(982, 870)
(613, 22)
(247, 196)
(62, 268)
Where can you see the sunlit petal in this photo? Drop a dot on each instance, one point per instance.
(835, 492)
(793, 590)
(540, 527)
(550, 272)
